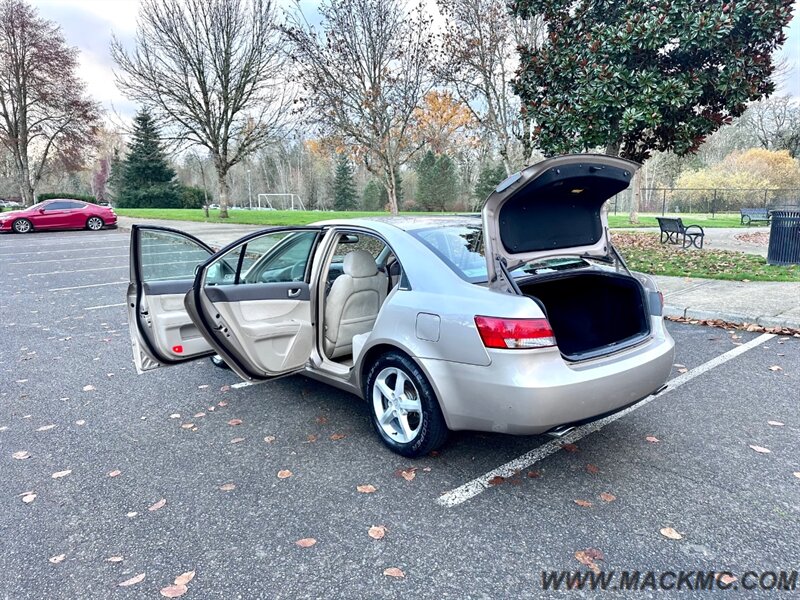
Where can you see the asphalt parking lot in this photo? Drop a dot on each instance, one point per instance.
(455, 525)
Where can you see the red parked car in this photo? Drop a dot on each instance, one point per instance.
(58, 214)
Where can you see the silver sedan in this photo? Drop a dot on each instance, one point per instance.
(523, 321)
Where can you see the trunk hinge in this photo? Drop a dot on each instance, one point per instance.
(502, 277)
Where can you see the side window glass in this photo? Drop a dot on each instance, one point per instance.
(164, 256)
(55, 206)
(282, 256)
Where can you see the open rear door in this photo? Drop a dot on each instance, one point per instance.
(258, 317)
(163, 263)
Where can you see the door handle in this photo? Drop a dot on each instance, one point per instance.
(293, 292)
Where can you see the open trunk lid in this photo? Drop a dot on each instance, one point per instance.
(551, 208)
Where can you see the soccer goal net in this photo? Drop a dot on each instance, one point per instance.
(279, 202)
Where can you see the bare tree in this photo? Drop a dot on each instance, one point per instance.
(212, 72)
(364, 74)
(776, 123)
(480, 45)
(45, 115)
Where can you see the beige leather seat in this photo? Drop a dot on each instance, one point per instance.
(353, 302)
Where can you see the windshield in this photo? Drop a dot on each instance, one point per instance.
(461, 249)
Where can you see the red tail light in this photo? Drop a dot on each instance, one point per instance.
(515, 333)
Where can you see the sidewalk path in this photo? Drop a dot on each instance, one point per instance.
(771, 304)
(723, 238)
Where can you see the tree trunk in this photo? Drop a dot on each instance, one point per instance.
(224, 190)
(633, 217)
(391, 189)
(612, 149)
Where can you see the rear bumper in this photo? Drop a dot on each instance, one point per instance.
(530, 392)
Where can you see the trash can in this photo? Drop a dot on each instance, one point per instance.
(784, 238)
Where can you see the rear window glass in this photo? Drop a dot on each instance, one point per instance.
(461, 248)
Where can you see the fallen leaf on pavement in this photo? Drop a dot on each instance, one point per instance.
(570, 448)
(115, 473)
(237, 440)
(202, 387)
(80, 422)
(131, 514)
(200, 414)
(235, 422)
(775, 423)
(366, 489)
(222, 403)
(89, 388)
(796, 474)
(174, 591)
(269, 439)
(376, 532)
(306, 542)
(497, 480)
(175, 416)
(394, 572)
(227, 487)
(321, 420)
(28, 498)
(583, 503)
(57, 559)
(284, 474)
(760, 449)
(225, 388)
(157, 505)
(652, 439)
(407, 474)
(312, 438)
(184, 578)
(534, 474)
(669, 532)
(588, 557)
(133, 580)
(114, 559)
(607, 497)
(593, 469)
(727, 578)
(21, 455)
(45, 427)
(60, 474)
(337, 436)
(187, 425)
(775, 368)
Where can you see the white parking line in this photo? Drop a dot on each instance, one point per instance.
(65, 250)
(94, 258)
(77, 271)
(80, 287)
(480, 484)
(104, 306)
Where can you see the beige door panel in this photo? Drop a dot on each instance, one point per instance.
(171, 326)
(272, 334)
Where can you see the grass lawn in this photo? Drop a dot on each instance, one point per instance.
(645, 253)
(298, 217)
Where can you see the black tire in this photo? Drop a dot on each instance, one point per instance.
(217, 361)
(22, 226)
(94, 223)
(431, 429)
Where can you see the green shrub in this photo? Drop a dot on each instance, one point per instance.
(194, 197)
(165, 195)
(66, 196)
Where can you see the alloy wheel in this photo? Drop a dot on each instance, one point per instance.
(22, 226)
(94, 223)
(397, 405)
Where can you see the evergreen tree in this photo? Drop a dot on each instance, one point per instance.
(437, 182)
(488, 179)
(344, 190)
(426, 181)
(115, 175)
(446, 183)
(147, 179)
(374, 196)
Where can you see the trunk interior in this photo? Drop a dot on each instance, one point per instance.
(591, 313)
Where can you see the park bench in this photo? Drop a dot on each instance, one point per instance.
(673, 231)
(753, 214)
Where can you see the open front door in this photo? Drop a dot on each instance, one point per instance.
(258, 317)
(163, 263)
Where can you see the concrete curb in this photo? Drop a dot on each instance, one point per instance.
(670, 310)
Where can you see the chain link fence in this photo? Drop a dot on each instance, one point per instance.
(707, 201)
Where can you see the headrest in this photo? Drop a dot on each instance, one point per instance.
(359, 263)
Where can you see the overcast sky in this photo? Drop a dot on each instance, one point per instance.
(89, 24)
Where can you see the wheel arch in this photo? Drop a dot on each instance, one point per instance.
(370, 355)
